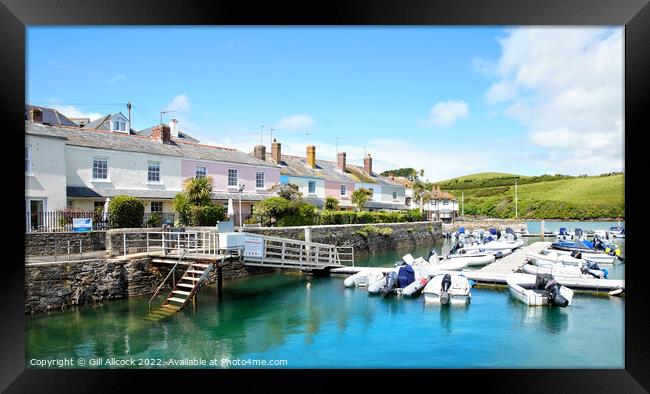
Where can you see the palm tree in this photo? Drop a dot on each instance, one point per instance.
(360, 197)
(199, 190)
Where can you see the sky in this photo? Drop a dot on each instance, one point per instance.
(449, 100)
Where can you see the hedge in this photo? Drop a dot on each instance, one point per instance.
(125, 212)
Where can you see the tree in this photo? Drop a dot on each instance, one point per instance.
(181, 204)
(287, 191)
(198, 190)
(125, 212)
(331, 203)
(271, 209)
(360, 197)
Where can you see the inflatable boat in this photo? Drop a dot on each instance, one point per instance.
(541, 289)
(446, 289)
(363, 278)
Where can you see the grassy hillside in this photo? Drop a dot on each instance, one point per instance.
(480, 176)
(543, 197)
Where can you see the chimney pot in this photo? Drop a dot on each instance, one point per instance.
(367, 164)
(173, 128)
(311, 156)
(341, 161)
(260, 152)
(161, 133)
(276, 151)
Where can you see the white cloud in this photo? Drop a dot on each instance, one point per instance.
(300, 122)
(71, 111)
(115, 78)
(180, 103)
(445, 113)
(566, 86)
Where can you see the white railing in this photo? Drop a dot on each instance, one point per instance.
(173, 243)
(282, 252)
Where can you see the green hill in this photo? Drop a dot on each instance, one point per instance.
(541, 197)
(480, 176)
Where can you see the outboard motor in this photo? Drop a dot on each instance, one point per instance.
(444, 289)
(511, 232)
(547, 283)
(493, 232)
(389, 284)
(592, 268)
(578, 232)
(576, 254)
(455, 248)
(563, 231)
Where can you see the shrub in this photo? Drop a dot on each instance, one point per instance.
(298, 214)
(125, 211)
(331, 203)
(181, 204)
(207, 215)
(155, 220)
(270, 210)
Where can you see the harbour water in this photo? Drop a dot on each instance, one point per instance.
(318, 323)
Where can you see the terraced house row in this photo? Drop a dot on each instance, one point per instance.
(76, 163)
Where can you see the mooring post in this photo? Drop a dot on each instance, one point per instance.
(124, 242)
(542, 229)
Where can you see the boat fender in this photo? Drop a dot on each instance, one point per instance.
(605, 272)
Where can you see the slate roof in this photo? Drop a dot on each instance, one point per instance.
(51, 116)
(328, 170)
(440, 194)
(181, 134)
(134, 143)
(84, 191)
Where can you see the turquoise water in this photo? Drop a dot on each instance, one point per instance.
(325, 325)
(534, 227)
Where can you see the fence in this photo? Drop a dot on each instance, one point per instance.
(61, 221)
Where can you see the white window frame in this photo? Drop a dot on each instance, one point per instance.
(309, 183)
(162, 206)
(205, 172)
(118, 125)
(236, 185)
(343, 190)
(257, 174)
(92, 170)
(159, 181)
(28, 159)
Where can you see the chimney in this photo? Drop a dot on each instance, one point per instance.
(161, 133)
(276, 151)
(341, 161)
(260, 152)
(311, 156)
(36, 115)
(173, 128)
(367, 164)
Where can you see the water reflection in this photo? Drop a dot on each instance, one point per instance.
(553, 320)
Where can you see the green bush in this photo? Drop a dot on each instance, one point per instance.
(206, 215)
(125, 212)
(155, 220)
(299, 213)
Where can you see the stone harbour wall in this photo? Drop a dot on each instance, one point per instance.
(365, 240)
(499, 224)
(44, 244)
(57, 286)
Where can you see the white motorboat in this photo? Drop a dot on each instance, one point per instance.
(617, 232)
(548, 257)
(600, 258)
(602, 234)
(540, 289)
(363, 278)
(496, 246)
(564, 271)
(448, 289)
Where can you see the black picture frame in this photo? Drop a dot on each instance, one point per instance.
(15, 15)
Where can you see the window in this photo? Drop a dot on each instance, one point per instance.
(69, 204)
(344, 190)
(100, 168)
(201, 171)
(232, 178)
(394, 195)
(28, 160)
(372, 192)
(259, 180)
(311, 189)
(156, 206)
(98, 206)
(119, 125)
(445, 202)
(153, 174)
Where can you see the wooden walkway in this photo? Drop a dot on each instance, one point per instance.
(496, 273)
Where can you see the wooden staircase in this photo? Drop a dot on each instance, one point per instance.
(183, 292)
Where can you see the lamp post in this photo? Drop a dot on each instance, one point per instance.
(241, 189)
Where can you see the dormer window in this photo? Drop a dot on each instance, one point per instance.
(119, 125)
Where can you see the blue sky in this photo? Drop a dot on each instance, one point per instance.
(449, 100)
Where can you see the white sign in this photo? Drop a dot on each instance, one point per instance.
(254, 247)
(80, 225)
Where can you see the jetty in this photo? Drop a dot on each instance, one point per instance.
(496, 273)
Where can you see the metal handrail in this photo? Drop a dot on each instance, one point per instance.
(167, 277)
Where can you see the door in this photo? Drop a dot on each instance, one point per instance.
(36, 208)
